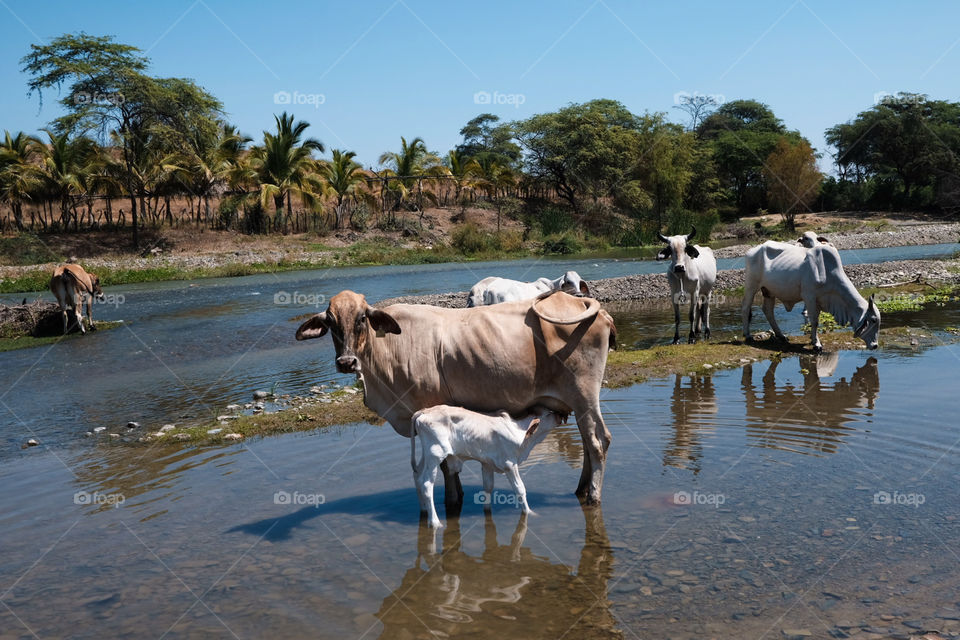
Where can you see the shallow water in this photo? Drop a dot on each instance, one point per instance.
(188, 349)
(794, 495)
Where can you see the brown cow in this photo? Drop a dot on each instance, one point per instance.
(550, 351)
(69, 284)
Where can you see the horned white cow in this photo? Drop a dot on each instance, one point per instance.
(70, 284)
(692, 273)
(789, 273)
(498, 442)
(511, 356)
(495, 290)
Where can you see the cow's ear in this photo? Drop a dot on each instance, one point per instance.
(822, 240)
(315, 327)
(691, 251)
(663, 254)
(532, 428)
(382, 321)
(584, 289)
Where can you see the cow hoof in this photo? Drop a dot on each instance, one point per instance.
(818, 348)
(706, 334)
(676, 341)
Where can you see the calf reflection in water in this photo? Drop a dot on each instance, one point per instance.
(694, 409)
(812, 419)
(506, 591)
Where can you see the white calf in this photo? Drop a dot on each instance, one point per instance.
(809, 239)
(497, 441)
(495, 290)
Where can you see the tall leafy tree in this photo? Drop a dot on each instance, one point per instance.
(110, 94)
(793, 179)
(483, 135)
(65, 164)
(743, 134)
(409, 165)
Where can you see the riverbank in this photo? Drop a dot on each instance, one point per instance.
(650, 287)
(178, 256)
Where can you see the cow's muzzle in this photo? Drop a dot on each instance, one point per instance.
(679, 268)
(348, 364)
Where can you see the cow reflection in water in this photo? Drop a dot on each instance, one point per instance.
(812, 419)
(694, 407)
(505, 592)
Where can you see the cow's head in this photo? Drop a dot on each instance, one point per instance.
(809, 239)
(542, 420)
(572, 283)
(351, 322)
(95, 289)
(678, 250)
(868, 329)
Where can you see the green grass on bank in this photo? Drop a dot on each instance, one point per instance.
(26, 342)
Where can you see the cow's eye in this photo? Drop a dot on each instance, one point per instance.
(360, 323)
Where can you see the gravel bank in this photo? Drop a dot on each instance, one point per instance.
(901, 235)
(649, 287)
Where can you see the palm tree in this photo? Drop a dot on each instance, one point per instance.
(463, 170)
(492, 176)
(64, 165)
(409, 164)
(343, 176)
(19, 174)
(285, 166)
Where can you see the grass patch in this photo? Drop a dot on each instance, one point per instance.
(25, 249)
(26, 342)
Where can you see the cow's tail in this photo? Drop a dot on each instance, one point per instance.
(612, 339)
(593, 308)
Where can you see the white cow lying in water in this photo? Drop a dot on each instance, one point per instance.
(497, 441)
(495, 290)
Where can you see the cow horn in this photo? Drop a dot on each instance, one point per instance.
(692, 233)
(593, 308)
(663, 238)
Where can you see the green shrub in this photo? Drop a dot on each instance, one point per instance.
(565, 244)
(555, 220)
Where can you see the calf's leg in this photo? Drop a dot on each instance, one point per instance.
(513, 475)
(428, 478)
(487, 486)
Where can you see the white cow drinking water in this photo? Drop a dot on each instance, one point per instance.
(692, 274)
(497, 441)
(790, 273)
(495, 290)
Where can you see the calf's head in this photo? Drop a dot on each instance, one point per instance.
(868, 329)
(351, 323)
(678, 250)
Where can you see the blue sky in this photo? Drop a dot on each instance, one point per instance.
(363, 74)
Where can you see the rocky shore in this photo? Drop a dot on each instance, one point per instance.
(653, 286)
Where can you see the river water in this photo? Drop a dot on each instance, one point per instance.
(812, 495)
